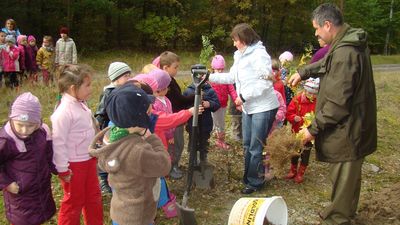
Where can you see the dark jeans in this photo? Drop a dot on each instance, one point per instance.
(11, 79)
(202, 144)
(255, 130)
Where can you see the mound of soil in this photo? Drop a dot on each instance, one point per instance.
(381, 208)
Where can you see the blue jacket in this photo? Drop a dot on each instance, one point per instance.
(205, 119)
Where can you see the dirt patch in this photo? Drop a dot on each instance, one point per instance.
(381, 207)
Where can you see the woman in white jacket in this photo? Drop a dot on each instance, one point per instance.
(252, 73)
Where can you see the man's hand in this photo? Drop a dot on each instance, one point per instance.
(307, 136)
(13, 188)
(294, 80)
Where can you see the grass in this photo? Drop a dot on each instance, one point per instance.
(213, 207)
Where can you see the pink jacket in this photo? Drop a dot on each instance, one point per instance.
(167, 121)
(223, 90)
(73, 132)
(281, 114)
(167, 108)
(21, 59)
(10, 57)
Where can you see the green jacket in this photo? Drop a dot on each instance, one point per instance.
(345, 125)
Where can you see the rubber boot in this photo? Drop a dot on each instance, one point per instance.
(221, 141)
(300, 174)
(104, 186)
(293, 171)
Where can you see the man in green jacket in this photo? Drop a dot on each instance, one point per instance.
(345, 128)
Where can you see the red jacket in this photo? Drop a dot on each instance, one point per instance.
(280, 87)
(299, 106)
(167, 121)
(223, 90)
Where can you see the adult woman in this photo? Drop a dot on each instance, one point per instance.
(252, 73)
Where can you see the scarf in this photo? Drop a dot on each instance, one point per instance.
(117, 133)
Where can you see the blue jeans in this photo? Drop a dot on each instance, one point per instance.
(255, 129)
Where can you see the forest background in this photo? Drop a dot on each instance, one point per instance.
(155, 25)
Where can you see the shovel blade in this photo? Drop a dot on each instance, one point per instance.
(186, 215)
(204, 178)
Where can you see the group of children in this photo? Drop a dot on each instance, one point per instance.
(141, 119)
(20, 57)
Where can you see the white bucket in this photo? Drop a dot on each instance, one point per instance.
(254, 211)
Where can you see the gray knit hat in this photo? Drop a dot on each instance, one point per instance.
(117, 69)
(10, 38)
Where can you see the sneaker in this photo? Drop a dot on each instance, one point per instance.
(105, 188)
(176, 173)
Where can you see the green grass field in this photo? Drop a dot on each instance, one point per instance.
(213, 207)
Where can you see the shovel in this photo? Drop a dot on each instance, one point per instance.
(186, 214)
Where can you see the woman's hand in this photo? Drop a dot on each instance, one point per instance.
(13, 188)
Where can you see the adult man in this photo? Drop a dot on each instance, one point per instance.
(345, 128)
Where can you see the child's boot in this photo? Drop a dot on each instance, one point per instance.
(300, 174)
(293, 171)
(104, 186)
(221, 141)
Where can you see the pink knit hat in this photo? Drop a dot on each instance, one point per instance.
(156, 61)
(31, 38)
(163, 79)
(26, 108)
(218, 62)
(149, 80)
(20, 38)
(286, 57)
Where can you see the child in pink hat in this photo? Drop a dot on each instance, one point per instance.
(223, 92)
(26, 155)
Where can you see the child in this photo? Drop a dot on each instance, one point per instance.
(211, 104)
(26, 155)
(11, 28)
(134, 159)
(22, 43)
(30, 59)
(286, 59)
(45, 58)
(118, 73)
(10, 55)
(163, 104)
(223, 91)
(301, 104)
(169, 62)
(65, 49)
(2, 46)
(278, 84)
(73, 130)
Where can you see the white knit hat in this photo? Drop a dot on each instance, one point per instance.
(312, 85)
(286, 57)
(117, 69)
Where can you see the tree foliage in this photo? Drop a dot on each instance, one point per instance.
(155, 25)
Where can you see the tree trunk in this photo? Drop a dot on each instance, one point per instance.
(386, 48)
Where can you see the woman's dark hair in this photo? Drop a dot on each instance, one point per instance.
(244, 33)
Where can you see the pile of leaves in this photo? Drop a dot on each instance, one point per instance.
(281, 146)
